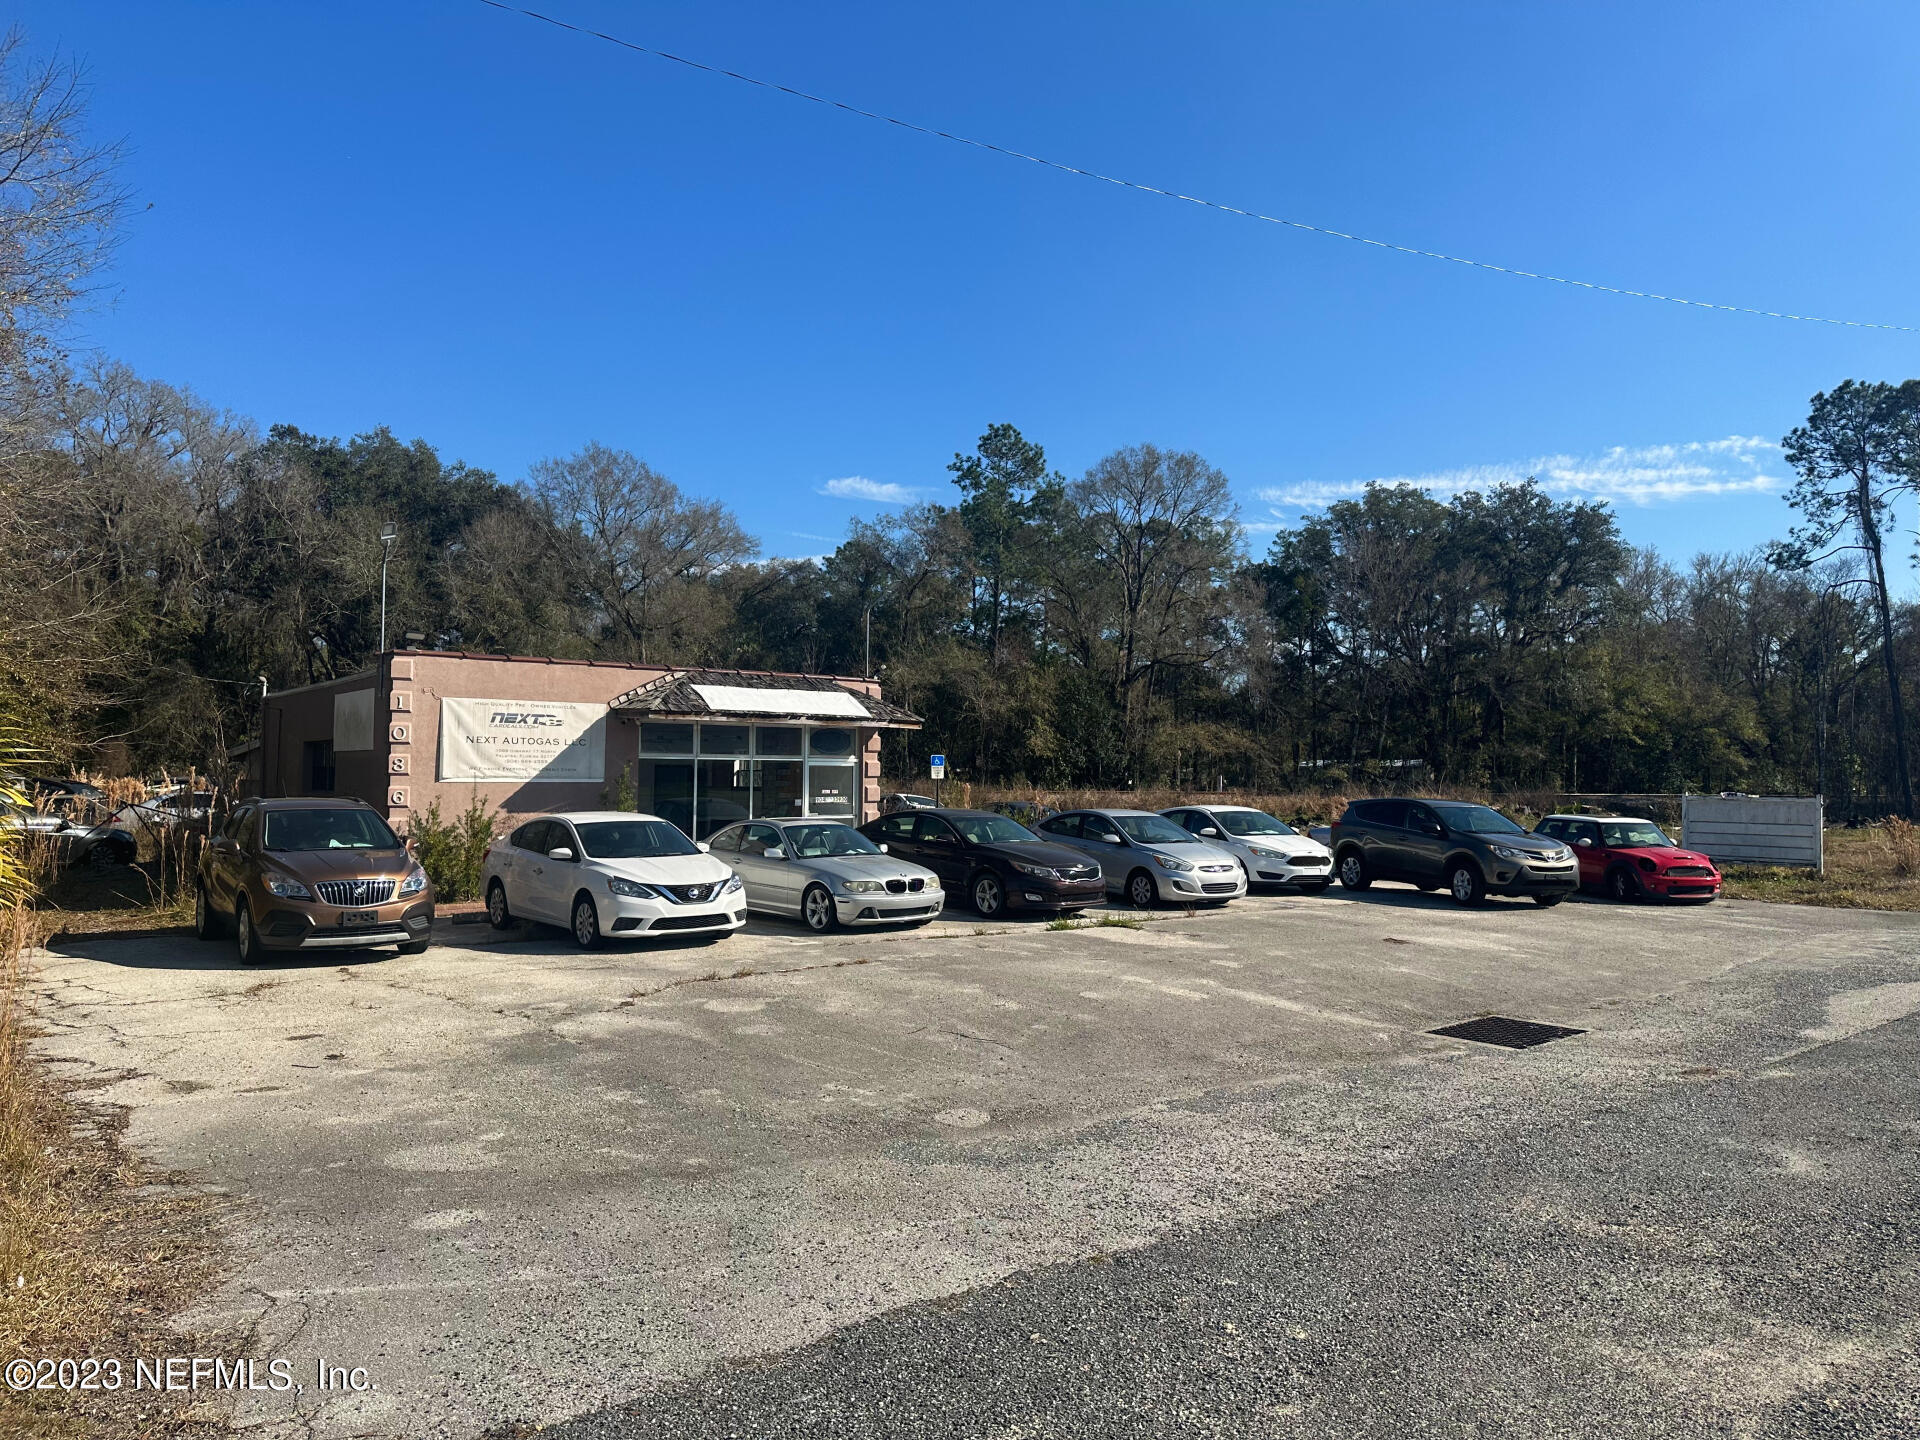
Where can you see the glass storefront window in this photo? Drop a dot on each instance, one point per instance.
(832, 789)
(724, 739)
(778, 788)
(659, 739)
(726, 795)
(776, 739)
(835, 743)
(724, 785)
(665, 788)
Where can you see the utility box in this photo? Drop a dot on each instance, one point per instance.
(1755, 829)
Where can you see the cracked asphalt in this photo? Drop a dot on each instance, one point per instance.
(1211, 1176)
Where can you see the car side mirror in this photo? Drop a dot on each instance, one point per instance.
(774, 852)
(1209, 830)
(883, 847)
(1584, 841)
(703, 847)
(1116, 840)
(560, 852)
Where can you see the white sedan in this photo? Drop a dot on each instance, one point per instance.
(1271, 851)
(610, 872)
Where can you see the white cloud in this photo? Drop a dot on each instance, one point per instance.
(1641, 475)
(858, 487)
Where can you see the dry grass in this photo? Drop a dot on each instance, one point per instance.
(93, 1256)
(1872, 868)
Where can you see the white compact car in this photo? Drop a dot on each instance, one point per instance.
(610, 872)
(1271, 851)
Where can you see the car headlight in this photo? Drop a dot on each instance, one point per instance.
(1167, 862)
(287, 888)
(734, 883)
(415, 881)
(1039, 872)
(1265, 853)
(863, 887)
(1507, 852)
(632, 889)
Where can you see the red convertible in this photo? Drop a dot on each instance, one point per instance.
(1632, 859)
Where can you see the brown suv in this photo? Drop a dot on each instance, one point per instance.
(311, 874)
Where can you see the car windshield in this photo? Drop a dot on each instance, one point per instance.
(1478, 820)
(1633, 832)
(1251, 822)
(1151, 830)
(993, 830)
(812, 842)
(327, 830)
(633, 840)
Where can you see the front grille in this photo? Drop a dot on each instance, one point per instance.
(902, 887)
(1216, 869)
(1688, 870)
(690, 894)
(1214, 888)
(1691, 890)
(691, 922)
(1080, 872)
(1310, 861)
(352, 893)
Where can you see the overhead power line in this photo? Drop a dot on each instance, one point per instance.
(1174, 194)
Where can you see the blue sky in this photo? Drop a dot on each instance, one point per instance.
(510, 240)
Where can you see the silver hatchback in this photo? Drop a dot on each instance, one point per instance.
(1146, 857)
(826, 874)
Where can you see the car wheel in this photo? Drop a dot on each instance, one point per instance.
(1141, 891)
(1465, 885)
(1353, 871)
(1547, 902)
(498, 915)
(818, 910)
(206, 925)
(1622, 885)
(586, 922)
(989, 895)
(245, 941)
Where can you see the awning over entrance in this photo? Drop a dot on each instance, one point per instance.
(751, 695)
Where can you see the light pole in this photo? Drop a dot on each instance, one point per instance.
(389, 533)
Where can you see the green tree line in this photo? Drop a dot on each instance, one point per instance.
(161, 558)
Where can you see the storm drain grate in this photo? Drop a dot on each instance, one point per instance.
(1500, 1030)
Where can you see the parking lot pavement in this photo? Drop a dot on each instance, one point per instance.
(519, 1183)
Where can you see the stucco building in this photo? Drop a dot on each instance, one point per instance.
(523, 734)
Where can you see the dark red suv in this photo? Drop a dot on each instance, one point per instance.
(1630, 858)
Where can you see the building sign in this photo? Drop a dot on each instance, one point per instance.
(522, 740)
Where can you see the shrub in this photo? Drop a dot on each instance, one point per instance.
(452, 851)
(1903, 846)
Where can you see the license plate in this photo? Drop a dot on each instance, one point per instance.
(359, 917)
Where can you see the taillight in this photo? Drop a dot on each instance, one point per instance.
(485, 853)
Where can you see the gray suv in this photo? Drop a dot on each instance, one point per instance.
(1473, 850)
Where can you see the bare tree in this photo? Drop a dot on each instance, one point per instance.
(59, 206)
(633, 539)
